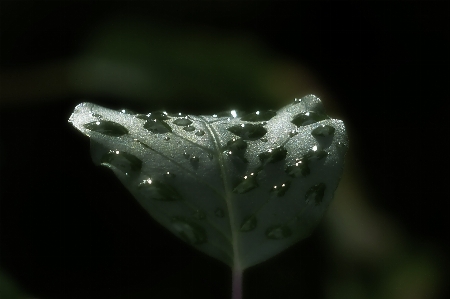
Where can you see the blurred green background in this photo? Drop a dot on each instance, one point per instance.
(68, 229)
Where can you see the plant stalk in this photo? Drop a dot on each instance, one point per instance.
(236, 288)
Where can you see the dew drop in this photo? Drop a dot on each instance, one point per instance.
(248, 224)
(248, 131)
(219, 213)
(194, 161)
(96, 115)
(157, 126)
(189, 128)
(190, 232)
(166, 138)
(169, 175)
(307, 118)
(293, 133)
(273, 155)
(200, 133)
(186, 155)
(157, 190)
(248, 183)
(122, 160)
(160, 115)
(323, 131)
(237, 147)
(278, 232)
(182, 122)
(315, 154)
(259, 115)
(280, 190)
(300, 168)
(315, 193)
(127, 111)
(106, 127)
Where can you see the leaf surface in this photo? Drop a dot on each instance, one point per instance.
(240, 188)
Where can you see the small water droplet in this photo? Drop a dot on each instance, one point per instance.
(248, 183)
(122, 160)
(259, 115)
(248, 224)
(315, 193)
(219, 213)
(157, 126)
(199, 214)
(169, 175)
(158, 190)
(190, 232)
(248, 131)
(323, 131)
(182, 122)
(300, 168)
(297, 100)
(278, 232)
(189, 128)
(166, 138)
(194, 161)
(127, 111)
(280, 190)
(96, 115)
(106, 127)
(200, 133)
(273, 155)
(307, 118)
(293, 133)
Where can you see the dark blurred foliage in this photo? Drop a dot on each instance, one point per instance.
(70, 230)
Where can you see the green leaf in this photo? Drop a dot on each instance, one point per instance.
(240, 188)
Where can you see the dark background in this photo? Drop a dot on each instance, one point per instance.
(70, 230)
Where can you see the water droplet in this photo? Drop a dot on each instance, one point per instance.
(142, 116)
(248, 224)
(300, 168)
(307, 118)
(248, 183)
(190, 232)
(160, 115)
(157, 126)
(157, 190)
(273, 155)
(314, 154)
(278, 232)
(127, 111)
(315, 193)
(293, 133)
(122, 160)
(248, 131)
(186, 155)
(237, 147)
(219, 213)
(280, 190)
(182, 122)
(169, 175)
(106, 127)
(323, 131)
(259, 115)
(96, 115)
(200, 133)
(200, 215)
(297, 100)
(194, 161)
(166, 138)
(189, 128)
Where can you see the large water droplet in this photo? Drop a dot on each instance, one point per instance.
(219, 213)
(106, 127)
(190, 232)
(315, 193)
(122, 160)
(182, 122)
(273, 155)
(323, 131)
(280, 190)
(157, 190)
(278, 232)
(248, 183)
(307, 118)
(259, 116)
(189, 128)
(236, 147)
(157, 126)
(248, 224)
(300, 168)
(248, 131)
(200, 133)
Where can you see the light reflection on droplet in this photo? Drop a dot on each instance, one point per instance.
(233, 113)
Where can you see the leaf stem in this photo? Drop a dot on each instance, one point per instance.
(236, 288)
